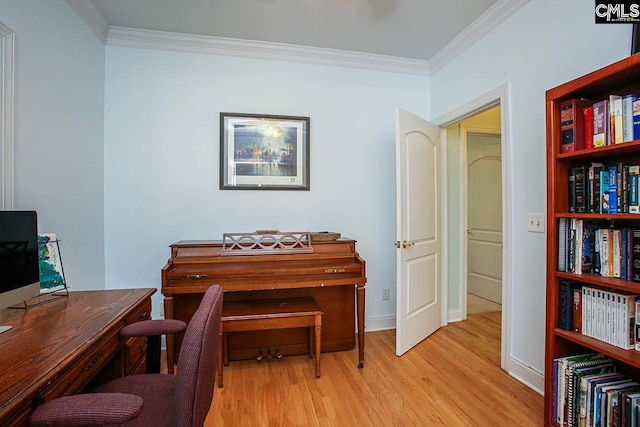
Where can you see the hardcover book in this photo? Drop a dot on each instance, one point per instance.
(588, 127)
(634, 189)
(601, 124)
(572, 125)
(615, 112)
(604, 192)
(636, 118)
(627, 117)
(613, 189)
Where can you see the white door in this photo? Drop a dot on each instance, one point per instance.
(484, 221)
(418, 230)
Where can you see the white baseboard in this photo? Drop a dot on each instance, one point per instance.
(454, 316)
(526, 375)
(380, 323)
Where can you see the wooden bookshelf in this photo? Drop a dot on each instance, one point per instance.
(618, 78)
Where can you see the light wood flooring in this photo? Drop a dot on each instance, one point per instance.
(451, 379)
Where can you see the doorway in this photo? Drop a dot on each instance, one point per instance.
(476, 190)
(483, 220)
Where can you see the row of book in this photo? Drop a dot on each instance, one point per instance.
(589, 391)
(604, 314)
(596, 188)
(585, 124)
(588, 247)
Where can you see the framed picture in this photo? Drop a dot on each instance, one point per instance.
(51, 273)
(264, 152)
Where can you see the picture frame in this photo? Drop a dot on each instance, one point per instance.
(264, 152)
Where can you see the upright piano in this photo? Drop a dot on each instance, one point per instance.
(332, 272)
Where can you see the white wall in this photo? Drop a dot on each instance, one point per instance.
(59, 109)
(162, 158)
(543, 45)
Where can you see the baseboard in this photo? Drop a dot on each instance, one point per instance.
(454, 316)
(526, 375)
(380, 323)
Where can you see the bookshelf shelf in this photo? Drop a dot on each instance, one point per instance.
(620, 78)
(629, 357)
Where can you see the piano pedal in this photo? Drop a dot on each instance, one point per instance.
(268, 354)
(260, 356)
(278, 354)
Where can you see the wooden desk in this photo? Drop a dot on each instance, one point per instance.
(58, 348)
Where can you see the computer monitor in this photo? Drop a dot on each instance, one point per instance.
(19, 264)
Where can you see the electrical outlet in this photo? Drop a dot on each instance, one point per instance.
(535, 222)
(386, 294)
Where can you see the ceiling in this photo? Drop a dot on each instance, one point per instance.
(412, 29)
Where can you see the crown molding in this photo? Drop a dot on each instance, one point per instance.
(161, 40)
(132, 37)
(91, 16)
(487, 22)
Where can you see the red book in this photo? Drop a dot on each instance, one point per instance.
(572, 125)
(588, 127)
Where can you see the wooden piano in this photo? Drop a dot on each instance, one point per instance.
(332, 272)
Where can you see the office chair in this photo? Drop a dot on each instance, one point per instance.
(153, 330)
(150, 400)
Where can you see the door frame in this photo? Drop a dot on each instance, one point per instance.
(465, 131)
(499, 96)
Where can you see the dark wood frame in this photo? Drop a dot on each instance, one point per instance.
(297, 126)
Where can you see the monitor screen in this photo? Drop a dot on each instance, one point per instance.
(19, 265)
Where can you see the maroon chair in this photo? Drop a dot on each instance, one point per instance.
(153, 329)
(150, 400)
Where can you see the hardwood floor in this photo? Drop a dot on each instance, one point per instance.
(451, 379)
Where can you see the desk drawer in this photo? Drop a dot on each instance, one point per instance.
(135, 350)
(84, 368)
(143, 312)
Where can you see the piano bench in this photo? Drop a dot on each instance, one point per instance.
(260, 315)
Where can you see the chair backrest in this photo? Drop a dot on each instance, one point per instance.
(196, 376)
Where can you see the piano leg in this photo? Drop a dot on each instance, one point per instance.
(360, 303)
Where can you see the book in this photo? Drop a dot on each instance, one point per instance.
(637, 334)
(565, 304)
(577, 228)
(588, 127)
(593, 185)
(627, 117)
(581, 189)
(562, 243)
(601, 124)
(572, 125)
(587, 248)
(577, 309)
(604, 192)
(634, 189)
(572, 189)
(613, 189)
(615, 115)
(623, 183)
(636, 119)
(635, 260)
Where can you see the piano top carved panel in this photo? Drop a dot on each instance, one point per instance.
(266, 242)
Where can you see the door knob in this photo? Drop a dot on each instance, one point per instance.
(397, 244)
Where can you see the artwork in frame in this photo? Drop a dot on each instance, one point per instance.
(264, 152)
(51, 273)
